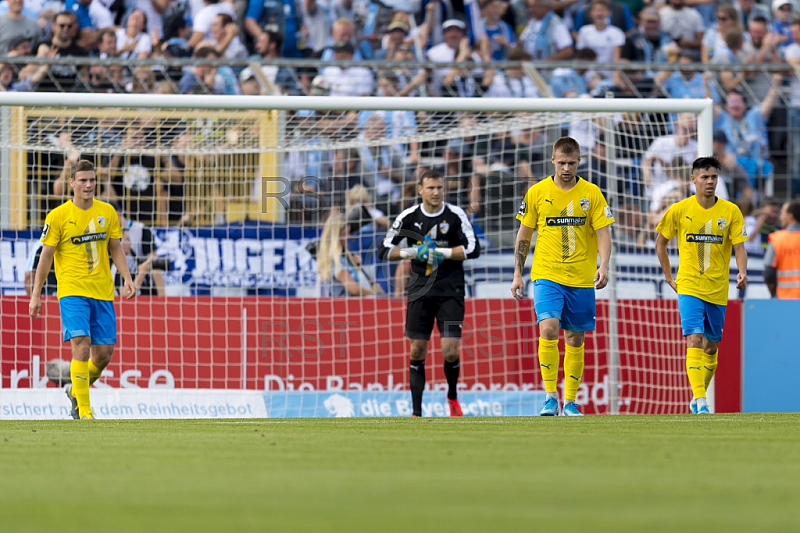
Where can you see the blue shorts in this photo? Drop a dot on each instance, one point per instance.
(574, 307)
(84, 317)
(699, 316)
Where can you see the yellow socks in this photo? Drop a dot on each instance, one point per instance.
(709, 367)
(573, 367)
(79, 372)
(700, 367)
(94, 372)
(694, 369)
(573, 370)
(548, 363)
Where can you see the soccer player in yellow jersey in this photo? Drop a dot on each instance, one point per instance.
(706, 227)
(572, 219)
(81, 234)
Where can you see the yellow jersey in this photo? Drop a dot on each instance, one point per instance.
(81, 238)
(567, 221)
(705, 238)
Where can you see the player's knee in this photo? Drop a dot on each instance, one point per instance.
(419, 351)
(710, 348)
(81, 348)
(548, 332)
(574, 338)
(451, 356)
(102, 355)
(694, 341)
(549, 328)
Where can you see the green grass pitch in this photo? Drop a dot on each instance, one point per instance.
(643, 474)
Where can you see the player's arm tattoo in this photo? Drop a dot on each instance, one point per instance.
(522, 254)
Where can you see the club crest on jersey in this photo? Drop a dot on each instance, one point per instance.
(721, 223)
(101, 221)
(584, 204)
(444, 227)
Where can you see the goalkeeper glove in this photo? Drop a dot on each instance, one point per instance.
(424, 250)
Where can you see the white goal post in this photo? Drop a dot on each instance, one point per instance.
(235, 188)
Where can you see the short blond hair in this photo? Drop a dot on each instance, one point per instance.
(566, 145)
(358, 194)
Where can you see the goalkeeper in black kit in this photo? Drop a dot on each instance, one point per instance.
(439, 239)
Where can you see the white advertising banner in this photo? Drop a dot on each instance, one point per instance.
(52, 404)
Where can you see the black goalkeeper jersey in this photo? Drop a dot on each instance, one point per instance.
(449, 228)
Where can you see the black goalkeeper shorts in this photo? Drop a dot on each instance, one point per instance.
(448, 312)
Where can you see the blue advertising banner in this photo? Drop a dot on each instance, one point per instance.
(771, 365)
(263, 256)
(344, 404)
(15, 249)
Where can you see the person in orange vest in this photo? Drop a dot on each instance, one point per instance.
(782, 260)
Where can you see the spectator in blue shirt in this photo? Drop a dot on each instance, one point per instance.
(499, 33)
(281, 16)
(746, 131)
(571, 83)
(687, 83)
(201, 78)
(620, 17)
(782, 11)
(81, 8)
(342, 31)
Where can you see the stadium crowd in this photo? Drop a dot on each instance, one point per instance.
(486, 173)
(439, 31)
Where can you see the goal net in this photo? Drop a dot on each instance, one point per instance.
(226, 201)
